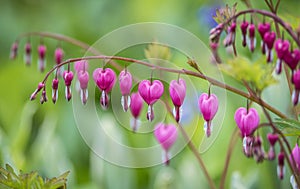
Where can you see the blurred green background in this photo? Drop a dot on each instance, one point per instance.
(45, 137)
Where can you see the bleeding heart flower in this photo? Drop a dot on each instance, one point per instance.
(83, 78)
(68, 77)
(55, 82)
(252, 39)
(177, 92)
(125, 80)
(166, 135)
(246, 120)
(282, 48)
(208, 105)
(151, 92)
(58, 55)
(269, 39)
(296, 156)
(105, 79)
(42, 57)
(244, 27)
(27, 55)
(136, 107)
(296, 81)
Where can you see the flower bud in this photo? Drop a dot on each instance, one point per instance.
(42, 57)
(136, 107)
(125, 80)
(27, 55)
(177, 90)
(14, 50)
(68, 77)
(55, 82)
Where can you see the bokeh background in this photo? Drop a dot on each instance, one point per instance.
(45, 137)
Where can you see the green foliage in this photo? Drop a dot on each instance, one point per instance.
(289, 127)
(10, 179)
(258, 73)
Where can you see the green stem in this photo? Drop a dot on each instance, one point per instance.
(232, 143)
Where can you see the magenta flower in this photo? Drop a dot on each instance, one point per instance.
(246, 120)
(105, 79)
(136, 107)
(230, 38)
(14, 50)
(292, 58)
(272, 138)
(252, 39)
(55, 82)
(42, 57)
(269, 39)
(150, 92)
(280, 166)
(58, 55)
(282, 48)
(166, 135)
(83, 78)
(208, 105)
(296, 81)
(81, 65)
(296, 156)
(177, 90)
(125, 80)
(244, 27)
(263, 28)
(27, 55)
(68, 77)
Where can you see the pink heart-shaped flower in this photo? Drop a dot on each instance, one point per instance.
(282, 47)
(247, 121)
(83, 78)
(177, 91)
(269, 38)
(151, 92)
(136, 104)
(104, 78)
(292, 58)
(263, 28)
(208, 105)
(125, 80)
(166, 135)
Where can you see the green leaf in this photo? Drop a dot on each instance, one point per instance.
(289, 127)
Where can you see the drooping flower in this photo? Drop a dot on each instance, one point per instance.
(269, 39)
(258, 151)
(208, 105)
(166, 135)
(42, 57)
(40, 86)
(14, 50)
(280, 166)
(230, 38)
(58, 55)
(27, 55)
(272, 138)
(252, 39)
(105, 79)
(296, 156)
(296, 81)
(55, 82)
(244, 27)
(177, 90)
(292, 58)
(68, 77)
(151, 92)
(263, 28)
(81, 65)
(247, 121)
(136, 107)
(125, 80)
(83, 78)
(282, 48)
